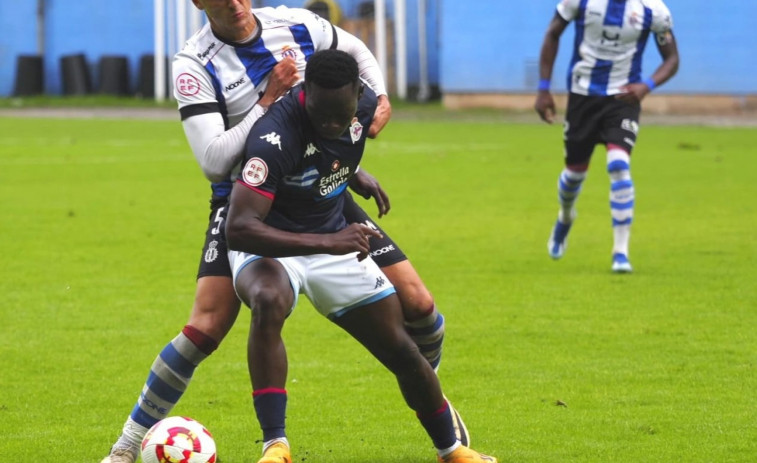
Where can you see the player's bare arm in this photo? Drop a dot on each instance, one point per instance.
(246, 231)
(545, 104)
(666, 45)
(381, 116)
(366, 185)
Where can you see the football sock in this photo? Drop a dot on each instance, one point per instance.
(621, 197)
(270, 407)
(568, 188)
(269, 443)
(168, 379)
(428, 334)
(439, 427)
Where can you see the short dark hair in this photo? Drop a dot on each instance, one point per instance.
(331, 69)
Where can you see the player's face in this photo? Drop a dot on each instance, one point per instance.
(331, 110)
(229, 19)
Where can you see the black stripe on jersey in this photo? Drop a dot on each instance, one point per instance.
(334, 38)
(197, 109)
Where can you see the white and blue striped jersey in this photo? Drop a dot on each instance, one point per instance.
(610, 40)
(209, 71)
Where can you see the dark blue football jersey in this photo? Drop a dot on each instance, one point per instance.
(305, 175)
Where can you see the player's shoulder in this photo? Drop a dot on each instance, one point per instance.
(200, 47)
(271, 16)
(657, 6)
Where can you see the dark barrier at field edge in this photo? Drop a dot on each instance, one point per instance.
(29, 76)
(75, 73)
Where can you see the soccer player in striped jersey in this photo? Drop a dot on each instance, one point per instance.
(225, 77)
(606, 87)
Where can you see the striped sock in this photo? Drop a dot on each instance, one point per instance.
(168, 379)
(622, 197)
(568, 188)
(428, 335)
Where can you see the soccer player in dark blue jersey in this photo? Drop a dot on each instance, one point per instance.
(287, 235)
(605, 87)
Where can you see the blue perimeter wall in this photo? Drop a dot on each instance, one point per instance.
(480, 46)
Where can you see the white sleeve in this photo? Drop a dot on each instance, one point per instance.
(662, 21)
(218, 150)
(568, 9)
(367, 63)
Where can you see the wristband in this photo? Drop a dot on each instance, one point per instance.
(649, 82)
(543, 84)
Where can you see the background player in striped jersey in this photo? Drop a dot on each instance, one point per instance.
(225, 77)
(287, 235)
(605, 87)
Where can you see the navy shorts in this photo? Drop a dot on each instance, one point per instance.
(591, 120)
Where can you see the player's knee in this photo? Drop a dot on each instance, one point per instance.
(416, 300)
(269, 307)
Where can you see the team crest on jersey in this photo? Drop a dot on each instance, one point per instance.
(288, 52)
(255, 172)
(187, 84)
(335, 165)
(356, 130)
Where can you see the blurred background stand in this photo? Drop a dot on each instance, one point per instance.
(75, 75)
(30, 78)
(113, 75)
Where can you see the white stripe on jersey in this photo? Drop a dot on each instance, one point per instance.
(208, 70)
(610, 40)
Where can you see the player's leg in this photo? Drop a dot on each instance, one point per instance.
(621, 130)
(423, 321)
(264, 285)
(379, 327)
(580, 138)
(214, 311)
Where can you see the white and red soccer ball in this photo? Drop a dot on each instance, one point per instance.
(178, 439)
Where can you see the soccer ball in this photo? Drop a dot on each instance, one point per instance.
(178, 439)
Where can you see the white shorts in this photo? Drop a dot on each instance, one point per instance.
(333, 284)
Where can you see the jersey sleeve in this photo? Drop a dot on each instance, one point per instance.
(269, 153)
(192, 83)
(568, 9)
(662, 21)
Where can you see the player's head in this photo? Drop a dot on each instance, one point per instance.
(332, 91)
(229, 19)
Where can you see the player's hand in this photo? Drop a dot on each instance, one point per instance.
(633, 93)
(354, 238)
(282, 77)
(366, 185)
(381, 116)
(545, 106)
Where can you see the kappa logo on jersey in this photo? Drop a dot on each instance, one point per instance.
(631, 126)
(288, 52)
(187, 84)
(311, 150)
(272, 138)
(234, 85)
(255, 172)
(356, 130)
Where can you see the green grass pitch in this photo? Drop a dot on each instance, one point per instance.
(547, 361)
